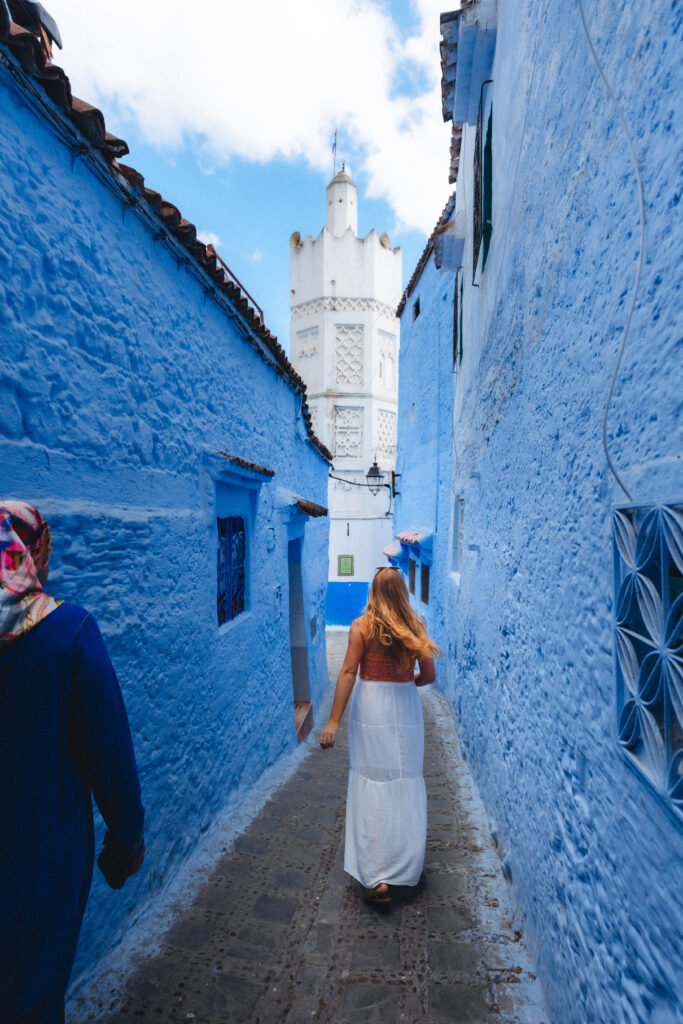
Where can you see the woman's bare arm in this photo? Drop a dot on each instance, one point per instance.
(427, 674)
(345, 681)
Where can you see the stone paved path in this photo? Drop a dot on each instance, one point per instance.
(278, 933)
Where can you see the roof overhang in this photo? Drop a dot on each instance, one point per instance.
(292, 504)
(234, 468)
(310, 508)
(468, 42)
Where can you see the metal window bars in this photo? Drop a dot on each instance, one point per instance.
(648, 559)
(231, 576)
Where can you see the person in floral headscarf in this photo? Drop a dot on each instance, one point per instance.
(64, 735)
(25, 548)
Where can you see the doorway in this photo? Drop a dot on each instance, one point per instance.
(303, 711)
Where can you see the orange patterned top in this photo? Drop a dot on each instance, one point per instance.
(377, 663)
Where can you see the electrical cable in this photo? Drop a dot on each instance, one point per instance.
(641, 203)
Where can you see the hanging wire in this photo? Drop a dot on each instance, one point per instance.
(641, 204)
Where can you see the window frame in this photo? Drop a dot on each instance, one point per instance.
(482, 207)
(487, 190)
(458, 290)
(229, 570)
(648, 624)
(236, 493)
(457, 533)
(424, 583)
(339, 565)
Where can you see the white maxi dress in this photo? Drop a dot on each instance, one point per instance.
(386, 805)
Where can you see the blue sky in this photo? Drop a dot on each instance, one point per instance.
(230, 115)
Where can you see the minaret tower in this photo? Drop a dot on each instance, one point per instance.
(344, 343)
(342, 205)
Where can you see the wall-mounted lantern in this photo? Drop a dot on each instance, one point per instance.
(375, 478)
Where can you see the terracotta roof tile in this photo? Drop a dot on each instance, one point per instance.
(456, 142)
(245, 464)
(132, 176)
(89, 120)
(409, 536)
(448, 48)
(26, 48)
(311, 509)
(57, 86)
(422, 262)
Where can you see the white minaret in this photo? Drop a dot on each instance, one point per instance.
(342, 205)
(344, 343)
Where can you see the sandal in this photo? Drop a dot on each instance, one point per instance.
(375, 896)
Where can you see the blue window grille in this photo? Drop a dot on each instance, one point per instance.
(230, 568)
(648, 556)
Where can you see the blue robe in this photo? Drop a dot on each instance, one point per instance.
(63, 734)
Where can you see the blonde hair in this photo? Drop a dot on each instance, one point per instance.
(392, 621)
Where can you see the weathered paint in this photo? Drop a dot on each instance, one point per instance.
(119, 378)
(593, 856)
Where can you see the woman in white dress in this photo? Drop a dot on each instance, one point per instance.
(386, 806)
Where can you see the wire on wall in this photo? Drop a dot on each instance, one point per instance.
(636, 286)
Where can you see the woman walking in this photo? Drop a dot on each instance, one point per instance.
(63, 734)
(386, 807)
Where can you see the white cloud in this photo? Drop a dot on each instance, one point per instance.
(256, 255)
(265, 79)
(209, 238)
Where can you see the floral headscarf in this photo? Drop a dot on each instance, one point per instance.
(25, 546)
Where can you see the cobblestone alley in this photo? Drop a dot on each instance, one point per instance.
(279, 932)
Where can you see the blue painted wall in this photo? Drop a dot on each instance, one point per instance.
(345, 602)
(593, 856)
(117, 376)
(425, 449)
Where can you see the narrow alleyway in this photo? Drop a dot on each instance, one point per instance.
(279, 933)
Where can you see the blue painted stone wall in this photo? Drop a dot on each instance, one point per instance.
(425, 449)
(117, 374)
(593, 857)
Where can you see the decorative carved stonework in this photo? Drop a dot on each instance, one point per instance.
(387, 360)
(386, 434)
(344, 305)
(349, 354)
(308, 342)
(348, 431)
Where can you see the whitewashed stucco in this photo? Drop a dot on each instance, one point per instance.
(345, 344)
